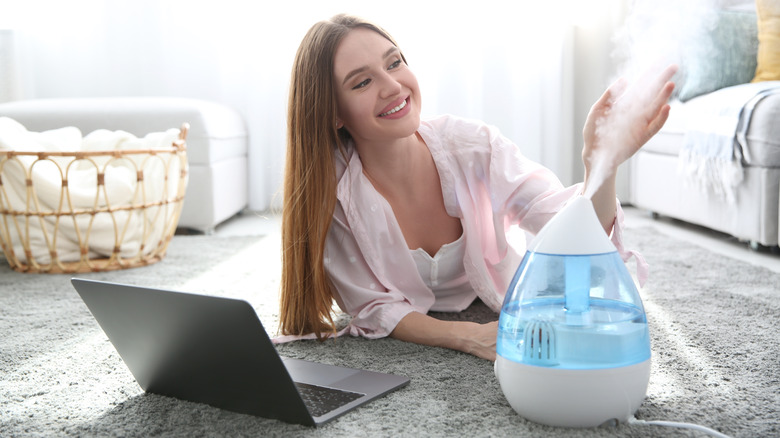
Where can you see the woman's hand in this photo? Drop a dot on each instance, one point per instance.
(480, 339)
(622, 121)
(618, 125)
(468, 337)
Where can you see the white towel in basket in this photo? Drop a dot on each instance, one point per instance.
(128, 229)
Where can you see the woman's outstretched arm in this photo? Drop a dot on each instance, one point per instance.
(468, 337)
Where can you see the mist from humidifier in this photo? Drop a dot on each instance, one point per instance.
(662, 32)
(654, 34)
(618, 121)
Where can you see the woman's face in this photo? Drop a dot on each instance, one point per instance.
(378, 96)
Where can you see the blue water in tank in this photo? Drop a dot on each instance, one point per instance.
(573, 312)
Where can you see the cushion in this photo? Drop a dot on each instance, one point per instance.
(727, 57)
(768, 68)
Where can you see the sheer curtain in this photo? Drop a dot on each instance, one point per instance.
(507, 63)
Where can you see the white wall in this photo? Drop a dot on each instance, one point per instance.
(531, 68)
(9, 79)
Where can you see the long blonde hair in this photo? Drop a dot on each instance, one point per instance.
(310, 178)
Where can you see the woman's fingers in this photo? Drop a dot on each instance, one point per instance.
(656, 124)
(616, 90)
(665, 76)
(651, 83)
(658, 111)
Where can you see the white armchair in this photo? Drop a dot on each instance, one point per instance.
(216, 143)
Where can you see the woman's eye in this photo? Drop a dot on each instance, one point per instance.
(361, 84)
(394, 65)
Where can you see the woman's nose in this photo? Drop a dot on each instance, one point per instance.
(389, 86)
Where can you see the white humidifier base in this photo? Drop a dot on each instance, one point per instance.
(573, 398)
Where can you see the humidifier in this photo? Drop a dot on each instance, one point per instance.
(573, 347)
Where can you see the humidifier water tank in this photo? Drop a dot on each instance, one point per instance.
(573, 346)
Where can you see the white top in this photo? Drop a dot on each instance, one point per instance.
(445, 275)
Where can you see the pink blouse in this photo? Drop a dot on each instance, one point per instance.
(486, 182)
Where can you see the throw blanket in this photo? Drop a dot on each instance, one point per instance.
(106, 231)
(715, 144)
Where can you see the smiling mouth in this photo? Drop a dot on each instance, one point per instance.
(394, 110)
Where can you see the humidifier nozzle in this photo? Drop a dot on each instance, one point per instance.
(575, 230)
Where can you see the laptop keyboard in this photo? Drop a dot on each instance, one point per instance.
(320, 400)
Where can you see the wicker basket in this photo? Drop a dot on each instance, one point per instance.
(60, 233)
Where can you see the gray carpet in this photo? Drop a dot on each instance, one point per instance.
(714, 327)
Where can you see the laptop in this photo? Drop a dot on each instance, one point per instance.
(214, 350)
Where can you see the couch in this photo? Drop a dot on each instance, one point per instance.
(732, 92)
(216, 143)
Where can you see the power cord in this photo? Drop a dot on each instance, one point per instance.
(633, 420)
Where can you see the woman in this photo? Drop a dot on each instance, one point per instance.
(392, 217)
